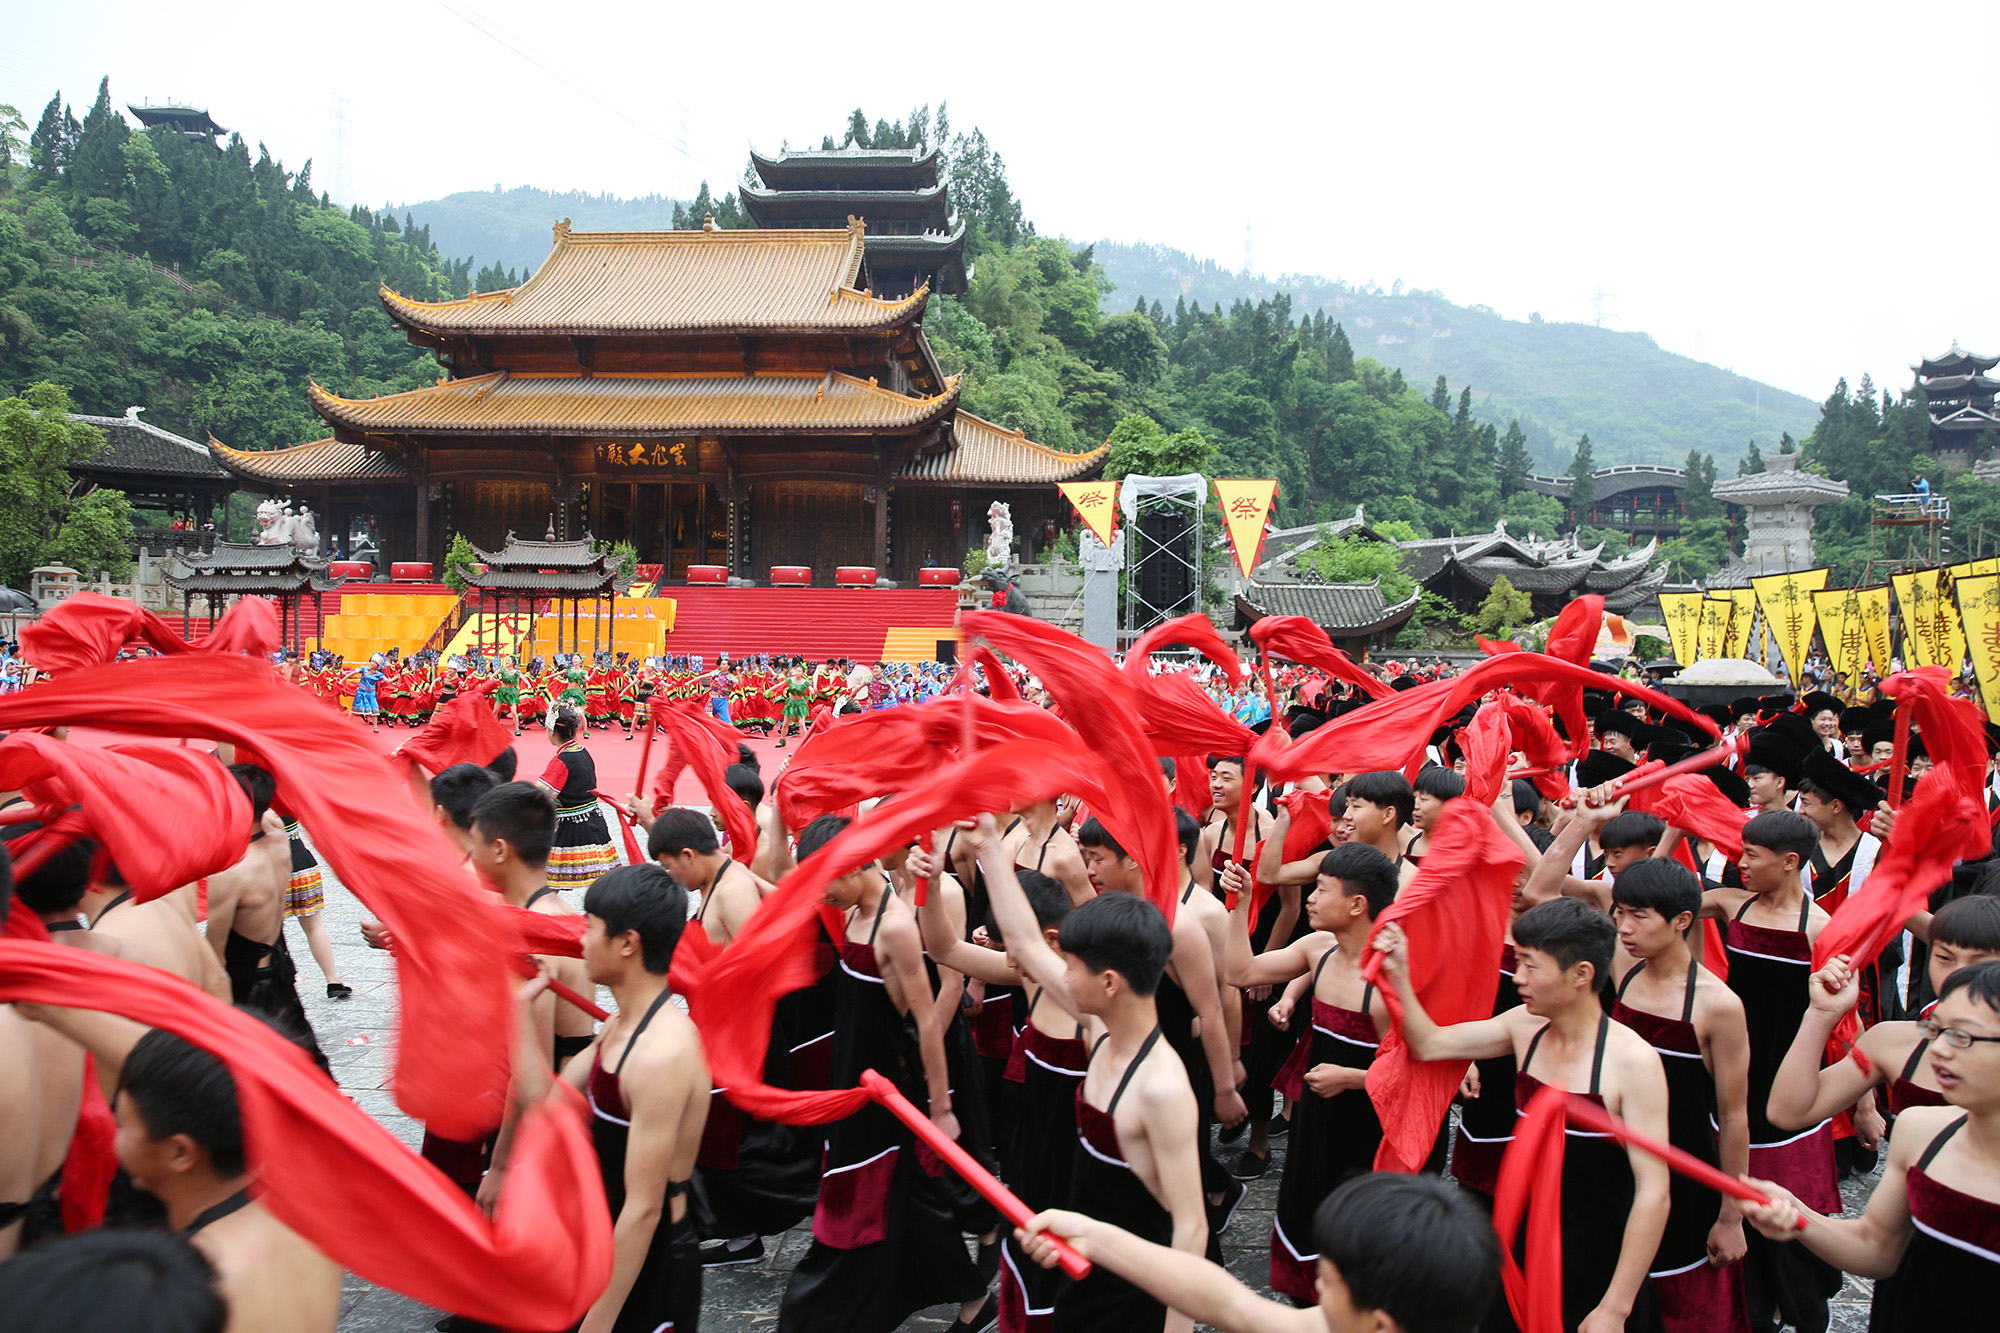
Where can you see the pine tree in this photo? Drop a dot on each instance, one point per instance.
(1582, 481)
(97, 164)
(858, 135)
(1339, 355)
(1441, 398)
(1515, 464)
(1753, 461)
(48, 146)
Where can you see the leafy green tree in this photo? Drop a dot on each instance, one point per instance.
(1514, 464)
(1698, 498)
(458, 557)
(1582, 480)
(45, 515)
(1357, 560)
(13, 145)
(1504, 610)
(1132, 346)
(1753, 461)
(49, 146)
(97, 164)
(1139, 445)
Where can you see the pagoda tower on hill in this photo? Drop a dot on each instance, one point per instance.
(1961, 397)
(895, 191)
(714, 397)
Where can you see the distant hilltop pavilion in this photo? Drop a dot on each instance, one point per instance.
(742, 398)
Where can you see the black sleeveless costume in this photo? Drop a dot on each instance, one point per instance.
(1770, 970)
(1597, 1196)
(1265, 1045)
(666, 1295)
(1332, 1138)
(1103, 1185)
(1486, 1123)
(1694, 1295)
(1951, 1269)
(1039, 1163)
(1905, 1092)
(1176, 1015)
(565, 1047)
(756, 1177)
(885, 1243)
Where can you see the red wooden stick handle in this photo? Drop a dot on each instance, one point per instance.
(1647, 776)
(977, 1176)
(924, 881)
(525, 966)
(1600, 1121)
(645, 750)
(1900, 756)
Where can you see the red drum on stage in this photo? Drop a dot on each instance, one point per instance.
(791, 576)
(855, 576)
(350, 569)
(410, 571)
(939, 576)
(708, 574)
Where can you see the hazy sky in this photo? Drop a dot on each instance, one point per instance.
(1794, 191)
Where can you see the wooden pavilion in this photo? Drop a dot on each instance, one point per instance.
(252, 569)
(713, 397)
(554, 571)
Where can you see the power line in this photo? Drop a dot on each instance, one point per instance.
(492, 31)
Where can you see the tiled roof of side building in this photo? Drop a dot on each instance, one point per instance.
(251, 556)
(995, 455)
(499, 403)
(639, 282)
(555, 580)
(1636, 593)
(1353, 607)
(132, 445)
(1526, 578)
(320, 460)
(276, 581)
(518, 553)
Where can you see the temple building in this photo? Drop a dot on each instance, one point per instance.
(895, 192)
(1641, 498)
(741, 398)
(191, 121)
(160, 472)
(1463, 570)
(1961, 398)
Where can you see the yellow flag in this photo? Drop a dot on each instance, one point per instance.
(1682, 611)
(1916, 599)
(1245, 506)
(1789, 618)
(1979, 612)
(1096, 504)
(1738, 643)
(1714, 630)
(1872, 605)
(1839, 612)
(1949, 637)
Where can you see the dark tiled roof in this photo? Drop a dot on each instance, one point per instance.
(519, 554)
(1632, 595)
(278, 581)
(321, 460)
(1548, 579)
(556, 580)
(252, 556)
(1352, 608)
(132, 445)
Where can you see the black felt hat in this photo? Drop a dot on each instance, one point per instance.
(1880, 730)
(1616, 721)
(1818, 701)
(1774, 753)
(1597, 768)
(1719, 714)
(1731, 784)
(1854, 720)
(1794, 728)
(1836, 781)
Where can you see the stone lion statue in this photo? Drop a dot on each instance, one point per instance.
(277, 525)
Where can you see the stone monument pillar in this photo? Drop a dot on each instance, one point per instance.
(1778, 502)
(1101, 567)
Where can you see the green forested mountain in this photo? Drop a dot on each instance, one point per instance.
(509, 229)
(1638, 403)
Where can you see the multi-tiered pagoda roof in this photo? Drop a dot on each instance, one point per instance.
(898, 192)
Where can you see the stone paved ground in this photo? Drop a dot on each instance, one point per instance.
(356, 1036)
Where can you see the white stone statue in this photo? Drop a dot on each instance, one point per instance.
(1000, 536)
(277, 525)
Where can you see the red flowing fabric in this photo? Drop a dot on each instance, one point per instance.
(1198, 632)
(1495, 647)
(701, 748)
(1302, 641)
(999, 685)
(1100, 703)
(451, 953)
(775, 953)
(1181, 719)
(93, 1156)
(1392, 733)
(1538, 743)
(1571, 639)
(632, 851)
(1312, 822)
(1455, 916)
(349, 1186)
(1691, 802)
(1532, 1170)
(1944, 822)
(463, 731)
(165, 814)
(88, 629)
(840, 765)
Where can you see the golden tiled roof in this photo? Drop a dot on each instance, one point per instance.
(501, 403)
(637, 282)
(993, 454)
(321, 460)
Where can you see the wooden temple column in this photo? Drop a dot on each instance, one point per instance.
(881, 497)
(423, 489)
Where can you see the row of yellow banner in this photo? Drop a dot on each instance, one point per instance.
(1246, 504)
(1946, 615)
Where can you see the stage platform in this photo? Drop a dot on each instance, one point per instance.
(866, 624)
